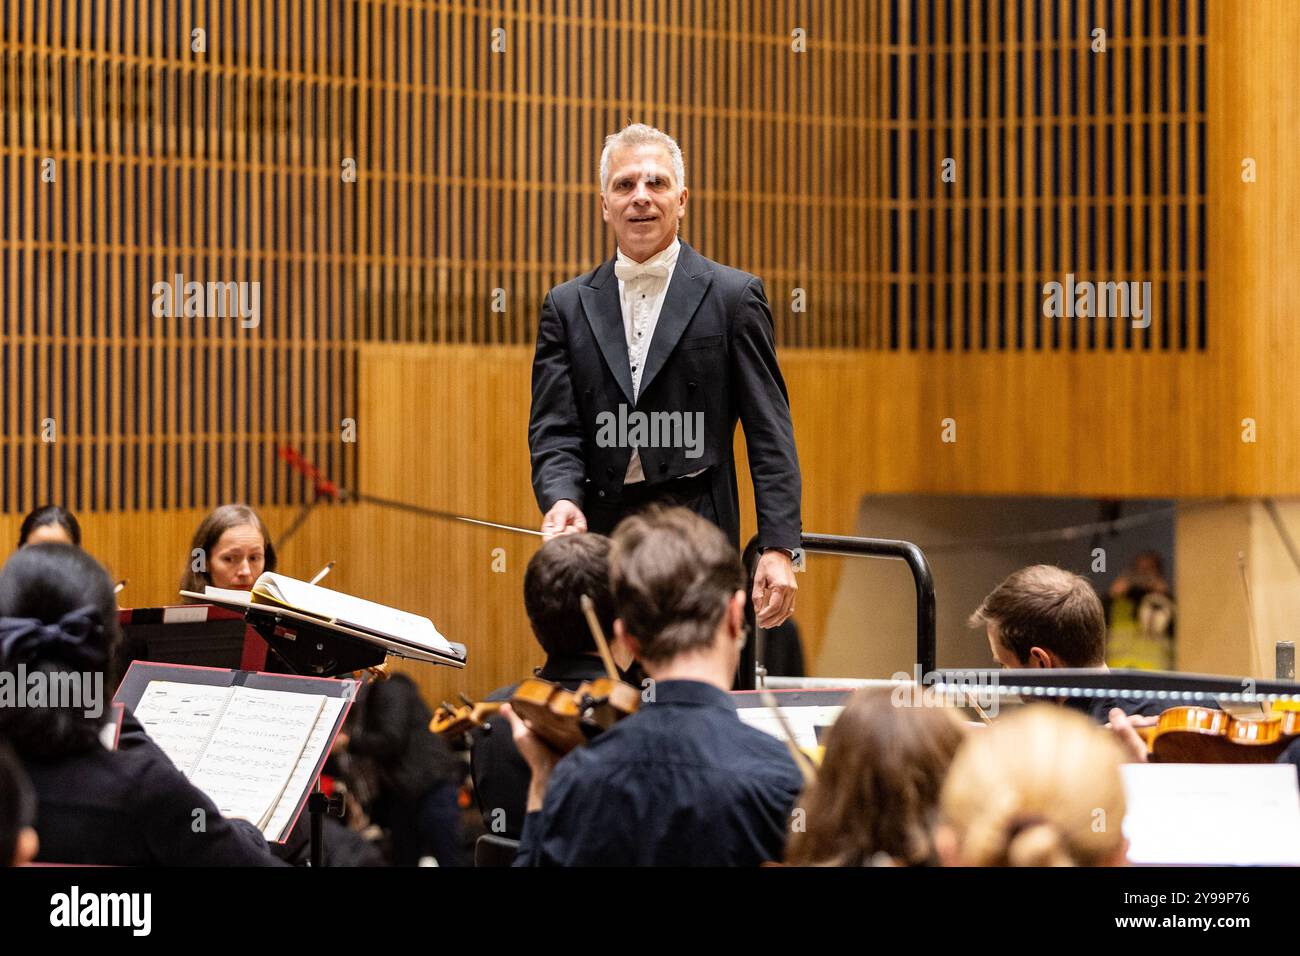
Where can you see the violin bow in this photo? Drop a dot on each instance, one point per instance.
(801, 759)
(602, 645)
(1250, 614)
(973, 701)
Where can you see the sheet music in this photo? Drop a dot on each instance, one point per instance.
(230, 595)
(254, 749)
(353, 611)
(180, 718)
(301, 777)
(803, 721)
(1212, 814)
(422, 644)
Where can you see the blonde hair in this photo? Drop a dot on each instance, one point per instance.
(639, 134)
(1041, 787)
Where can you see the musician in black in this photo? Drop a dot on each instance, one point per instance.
(18, 840)
(125, 807)
(1043, 616)
(561, 571)
(683, 781)
(417, 775)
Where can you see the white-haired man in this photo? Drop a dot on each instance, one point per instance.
(643, 368)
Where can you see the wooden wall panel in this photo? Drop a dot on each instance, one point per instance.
(475, 172)
(128, 158)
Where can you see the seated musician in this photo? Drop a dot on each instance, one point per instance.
(1041, 787)
(50, 524)
(417, 776)
(231, 548)
(1044, 616)
(125, 807)
(562, 570)
(682, 781)
(877, 791)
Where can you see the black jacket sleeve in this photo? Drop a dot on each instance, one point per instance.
(764, 409)
(183, 827)
(554, 433)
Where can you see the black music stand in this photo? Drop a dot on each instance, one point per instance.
(310, 649)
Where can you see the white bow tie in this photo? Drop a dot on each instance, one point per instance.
(628, 270)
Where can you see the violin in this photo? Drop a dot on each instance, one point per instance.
(1207, 735)
(452, 721)
(565, 719)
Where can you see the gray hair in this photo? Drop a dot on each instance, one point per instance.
(639, 134)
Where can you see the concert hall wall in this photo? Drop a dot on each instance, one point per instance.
(405, 180)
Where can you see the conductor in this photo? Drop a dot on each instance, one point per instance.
(642, 370)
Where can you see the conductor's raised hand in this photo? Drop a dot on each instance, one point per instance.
(565, 517)
(774, 589)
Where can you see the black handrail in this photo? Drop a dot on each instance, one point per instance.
(870, 548)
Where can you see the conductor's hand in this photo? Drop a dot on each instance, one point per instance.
(564, 518)
(540, 756)
(774, 588)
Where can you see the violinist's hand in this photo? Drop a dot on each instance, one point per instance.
(565, 517)
(1124, 728)
(539, 755)
(774, 589)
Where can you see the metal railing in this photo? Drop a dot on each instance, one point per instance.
(870, 548)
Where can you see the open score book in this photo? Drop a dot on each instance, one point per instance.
(254, 752)
(278, 590)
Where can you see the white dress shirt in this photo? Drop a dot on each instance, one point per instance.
(642, 299)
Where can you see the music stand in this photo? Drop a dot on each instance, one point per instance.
(313, 647)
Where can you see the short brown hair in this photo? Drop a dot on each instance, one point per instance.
(562, 570)
(878, 787)
(673, 573)
(1048, 607)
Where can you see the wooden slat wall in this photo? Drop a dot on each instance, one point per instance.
(476, 171)
(865, 239)
(220, 165)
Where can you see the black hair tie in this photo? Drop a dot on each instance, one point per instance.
(70, 639)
